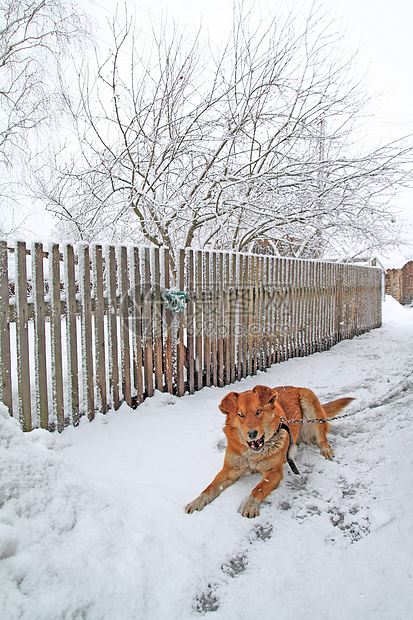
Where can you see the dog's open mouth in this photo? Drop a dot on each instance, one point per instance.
(257, 444)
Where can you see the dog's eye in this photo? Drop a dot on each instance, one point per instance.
(258, 412)
(241, 415)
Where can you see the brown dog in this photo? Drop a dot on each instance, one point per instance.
(259, 439)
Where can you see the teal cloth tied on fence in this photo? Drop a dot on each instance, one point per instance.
(174, 300)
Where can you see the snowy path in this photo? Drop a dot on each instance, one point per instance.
(92, 522)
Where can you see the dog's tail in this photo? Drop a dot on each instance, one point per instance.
(335, 406)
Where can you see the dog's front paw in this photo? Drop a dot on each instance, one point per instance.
(327, 452)
(198, 504)
(251, 508)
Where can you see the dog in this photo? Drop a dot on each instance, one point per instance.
(259, 438)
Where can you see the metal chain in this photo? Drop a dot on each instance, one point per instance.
(394, 392)
(320, 420)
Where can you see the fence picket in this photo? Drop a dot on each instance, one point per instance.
(307, 307)
(221, 323)
(5, 357)
(276, 303)
(301, 313)
(320, 295)
(147, 339)
(287, 313)
(39, 334)
(227, 318)
(267, 314)
(112, 330)
(252, 317)
(71, 332)
(214, 319)
(157, 321)
(86, 328)
(23, 367)
(136, 294)
(247, 316)
(168, 322)
(271, 310)
(56, 335)
(180, 364)
(198, 321)
(233, 310)
(207, 320)
(259, 306)
(240, 334)
(267, 311)
(99, 326)
(285, 310)
(124, 325)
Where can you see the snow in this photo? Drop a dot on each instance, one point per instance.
(92, 521)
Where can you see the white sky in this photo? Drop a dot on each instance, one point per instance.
(380, 29)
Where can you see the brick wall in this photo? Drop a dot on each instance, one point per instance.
(408, 282)
(399, 283)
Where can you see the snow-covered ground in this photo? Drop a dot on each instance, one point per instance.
(92, 521)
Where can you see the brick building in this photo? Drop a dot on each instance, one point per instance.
(399, 283)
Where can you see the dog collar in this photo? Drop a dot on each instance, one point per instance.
(290, 461)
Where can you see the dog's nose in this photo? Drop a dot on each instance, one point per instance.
(252, 434)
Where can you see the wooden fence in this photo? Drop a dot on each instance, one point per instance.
(84, 328)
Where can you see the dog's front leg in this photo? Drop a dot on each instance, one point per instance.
(270, 481)
(224, 479)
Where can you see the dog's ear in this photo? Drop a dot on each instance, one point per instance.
(229, 403)
(265, 394)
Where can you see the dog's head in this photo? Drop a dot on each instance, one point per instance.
(254, 414)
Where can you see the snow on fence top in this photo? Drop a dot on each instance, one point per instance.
(84, 328)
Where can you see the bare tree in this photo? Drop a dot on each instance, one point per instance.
(250, 146)
(35, 36)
